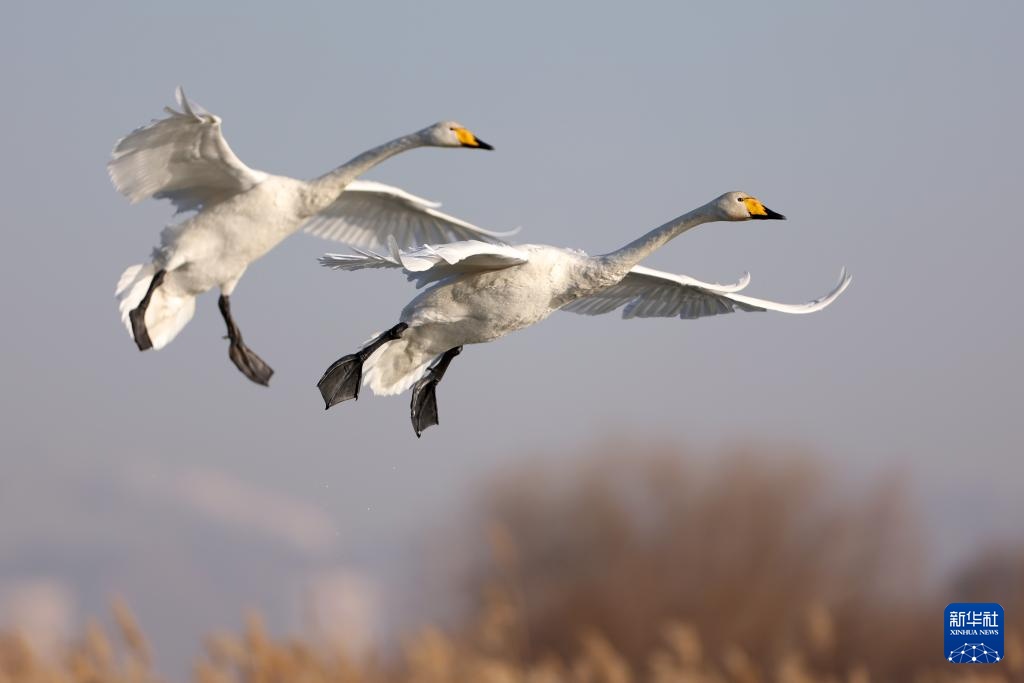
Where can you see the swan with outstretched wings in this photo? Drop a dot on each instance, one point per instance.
(242, 213)
(478, 292)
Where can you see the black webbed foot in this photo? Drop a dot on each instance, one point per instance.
(424, 404)
(423, 407)
(251, 365)
(340, 382)
(137, 316)
(244, 358)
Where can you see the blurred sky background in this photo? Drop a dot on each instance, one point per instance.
(889, 134)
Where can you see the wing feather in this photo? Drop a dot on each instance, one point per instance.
(430, 263)
(368, 212)
(359, 260)
(648, 293)
(183, 157)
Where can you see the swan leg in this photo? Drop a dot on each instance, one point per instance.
(424, 401)
(341, 381)
(137, 315)
(244, 358)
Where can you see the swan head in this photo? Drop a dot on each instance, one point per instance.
(452, 134)
(740, 206)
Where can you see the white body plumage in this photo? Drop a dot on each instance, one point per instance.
(476, 308)
(219, 243)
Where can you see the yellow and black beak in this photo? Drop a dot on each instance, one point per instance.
(467, 139)
(769, 215)
(759, 211)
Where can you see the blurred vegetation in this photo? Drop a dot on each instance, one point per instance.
(756, 567)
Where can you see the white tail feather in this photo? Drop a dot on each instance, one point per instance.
(129, 276)
(166, 314)
(395, 367)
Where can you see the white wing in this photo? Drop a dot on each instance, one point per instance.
(429, 263)
(648, 293)
(183, 157)
(367, 212)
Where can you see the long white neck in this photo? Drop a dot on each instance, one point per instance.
(325, 189)
(621, 260)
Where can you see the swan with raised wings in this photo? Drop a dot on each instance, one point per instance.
(243, 213)
(480, 292)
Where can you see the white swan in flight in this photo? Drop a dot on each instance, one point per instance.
(244, 213)
(481, 292)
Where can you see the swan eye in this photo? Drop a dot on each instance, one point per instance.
(739, 199)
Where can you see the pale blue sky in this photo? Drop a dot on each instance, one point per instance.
(888, 133)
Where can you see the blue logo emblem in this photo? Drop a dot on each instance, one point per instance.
(974, 633)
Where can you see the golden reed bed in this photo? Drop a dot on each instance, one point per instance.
(636, 566)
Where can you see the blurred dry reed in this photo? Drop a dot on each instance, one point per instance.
(645, 568)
